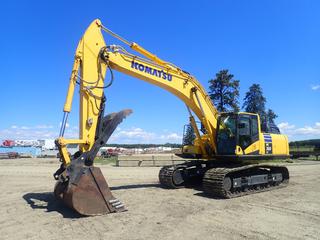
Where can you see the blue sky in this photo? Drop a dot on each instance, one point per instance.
(273, 43)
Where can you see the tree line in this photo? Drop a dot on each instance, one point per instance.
(311, 142)
(224, 94)
(141, 145)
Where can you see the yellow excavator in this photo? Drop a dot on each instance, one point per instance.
(220, 157)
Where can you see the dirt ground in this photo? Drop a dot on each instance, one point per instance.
(29, 211)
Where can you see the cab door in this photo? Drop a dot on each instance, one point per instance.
(248, 133)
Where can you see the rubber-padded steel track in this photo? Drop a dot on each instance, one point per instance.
(166, 176)
(216, 179)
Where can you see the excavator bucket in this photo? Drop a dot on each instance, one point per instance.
(82, 186)
(90, 196)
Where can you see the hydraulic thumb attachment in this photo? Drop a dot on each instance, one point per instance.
(82, 186)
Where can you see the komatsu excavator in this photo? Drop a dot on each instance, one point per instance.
(220, 151)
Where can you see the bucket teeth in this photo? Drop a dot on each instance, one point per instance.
(119, 206)
(116, 203)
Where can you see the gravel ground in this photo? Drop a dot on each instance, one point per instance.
(29, 211)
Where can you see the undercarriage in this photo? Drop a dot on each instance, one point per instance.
(221, 180)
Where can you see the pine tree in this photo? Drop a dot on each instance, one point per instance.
(189, 135)
(271, 126)
(224, 92)
(254, 101)
(271, 116)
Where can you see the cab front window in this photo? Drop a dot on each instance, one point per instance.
(227, 134)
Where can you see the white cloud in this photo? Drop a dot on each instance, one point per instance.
(285, 126)
(171, 137)
(44, 126)
(130, 135)
(71, 134)
(67, 124)
(134, 134)
(138, 135)
(305, 132)
(315, 87)
(29, 132)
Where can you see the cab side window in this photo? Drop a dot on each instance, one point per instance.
(244, 131)
(254, 128)
(248, 130)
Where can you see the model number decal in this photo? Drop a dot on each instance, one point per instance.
(268, 148)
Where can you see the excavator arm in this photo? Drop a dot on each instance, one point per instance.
(86, 66)
(80, 184)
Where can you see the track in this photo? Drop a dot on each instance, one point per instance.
(220, 182)
(170, 177)
(225, 182)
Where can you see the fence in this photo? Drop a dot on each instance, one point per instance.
(148, 160)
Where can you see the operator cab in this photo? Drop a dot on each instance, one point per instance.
(236, 129)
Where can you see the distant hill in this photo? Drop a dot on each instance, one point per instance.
(311, 142)
(173, 145)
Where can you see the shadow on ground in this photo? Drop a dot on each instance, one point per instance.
(134, 186)
(204, 195)
(195, 186)
(47, 201)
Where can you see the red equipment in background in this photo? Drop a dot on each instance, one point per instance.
(8, 143)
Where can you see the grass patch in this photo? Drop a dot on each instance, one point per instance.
(268, 161)
(310, 158)
(106, 161)
(301, 148)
